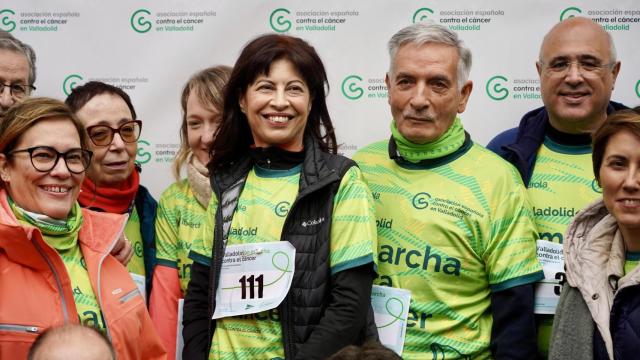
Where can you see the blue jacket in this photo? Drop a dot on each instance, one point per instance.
(520, 145)
(146, 206)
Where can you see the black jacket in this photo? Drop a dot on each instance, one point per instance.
(321, 313)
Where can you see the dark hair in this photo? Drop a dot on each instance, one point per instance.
(81, 95)
(63, 334)
(371, 350)
(622, 120)
(234, 135)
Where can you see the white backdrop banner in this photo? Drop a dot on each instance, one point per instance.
(150, 48)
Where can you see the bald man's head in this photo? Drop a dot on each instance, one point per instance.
(578, 69)
(71, 342)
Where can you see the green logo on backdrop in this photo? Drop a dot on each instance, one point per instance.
(278, 21)
(6, 23)
(143, 156)
(70, 82)
(350, 87)
(569, 12)
(638, 88)
(138, 21)
(495, 88)
(421, 14)
(421, 200)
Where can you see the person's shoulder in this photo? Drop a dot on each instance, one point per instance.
(373, 149)
(178, 187)
(144, 195)
(504, 138)
(491, 165)
(510, 136)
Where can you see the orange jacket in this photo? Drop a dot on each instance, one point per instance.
(36, 292)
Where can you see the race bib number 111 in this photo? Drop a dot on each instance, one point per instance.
(254, 278)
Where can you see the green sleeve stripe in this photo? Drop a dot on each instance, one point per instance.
(199, 258)
(521, 280)
(167, 263)
(353, 263)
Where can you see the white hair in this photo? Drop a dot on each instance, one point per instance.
(429, 32)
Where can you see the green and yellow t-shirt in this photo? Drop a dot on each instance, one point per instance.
(178, 223)
(86, 303)
(451, 232)
(562, 183)
(260, 215)
(133, 233)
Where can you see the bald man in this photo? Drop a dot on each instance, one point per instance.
(71, 342)
(552, 146)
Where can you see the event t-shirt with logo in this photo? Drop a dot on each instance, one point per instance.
(133, 233)
(178, 223)
(562, 183)
(260, 215)
(86, 303)
(451, 232)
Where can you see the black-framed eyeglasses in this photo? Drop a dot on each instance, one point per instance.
(18, 90)
(102, 135)
(45, 158)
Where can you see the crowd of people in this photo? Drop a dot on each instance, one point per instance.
(271, 245)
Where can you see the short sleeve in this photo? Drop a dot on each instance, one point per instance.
(511, 252)
(353, 229)
(167, 231)
(202, 245)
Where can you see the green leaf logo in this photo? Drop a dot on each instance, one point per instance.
(6, 23)
(495, 89)
(279, 21)
(70, 82)
(143, 156)
(350, 87)
(569, 13)
(638, 88)
(421, 14)
(139, 22)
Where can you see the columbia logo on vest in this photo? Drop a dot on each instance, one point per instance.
(313, 222)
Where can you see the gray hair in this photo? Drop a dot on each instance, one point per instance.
(8, 42)
(429, 32)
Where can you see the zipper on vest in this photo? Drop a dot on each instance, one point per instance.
(19, 328)
(65, 312)
(99, 282)
(286, 307)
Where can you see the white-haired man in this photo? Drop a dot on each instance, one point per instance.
(454, 221)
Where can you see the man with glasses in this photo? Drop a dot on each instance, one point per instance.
(112, 183)
(17, 70)
(551, 148)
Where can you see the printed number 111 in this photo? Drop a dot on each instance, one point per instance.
(250, 281)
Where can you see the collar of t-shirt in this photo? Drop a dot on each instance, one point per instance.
(563, 138)
(276, 158)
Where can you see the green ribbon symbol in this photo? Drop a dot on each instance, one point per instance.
(396, 317)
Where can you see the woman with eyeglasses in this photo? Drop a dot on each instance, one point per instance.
(112, 183)
(55, 266)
